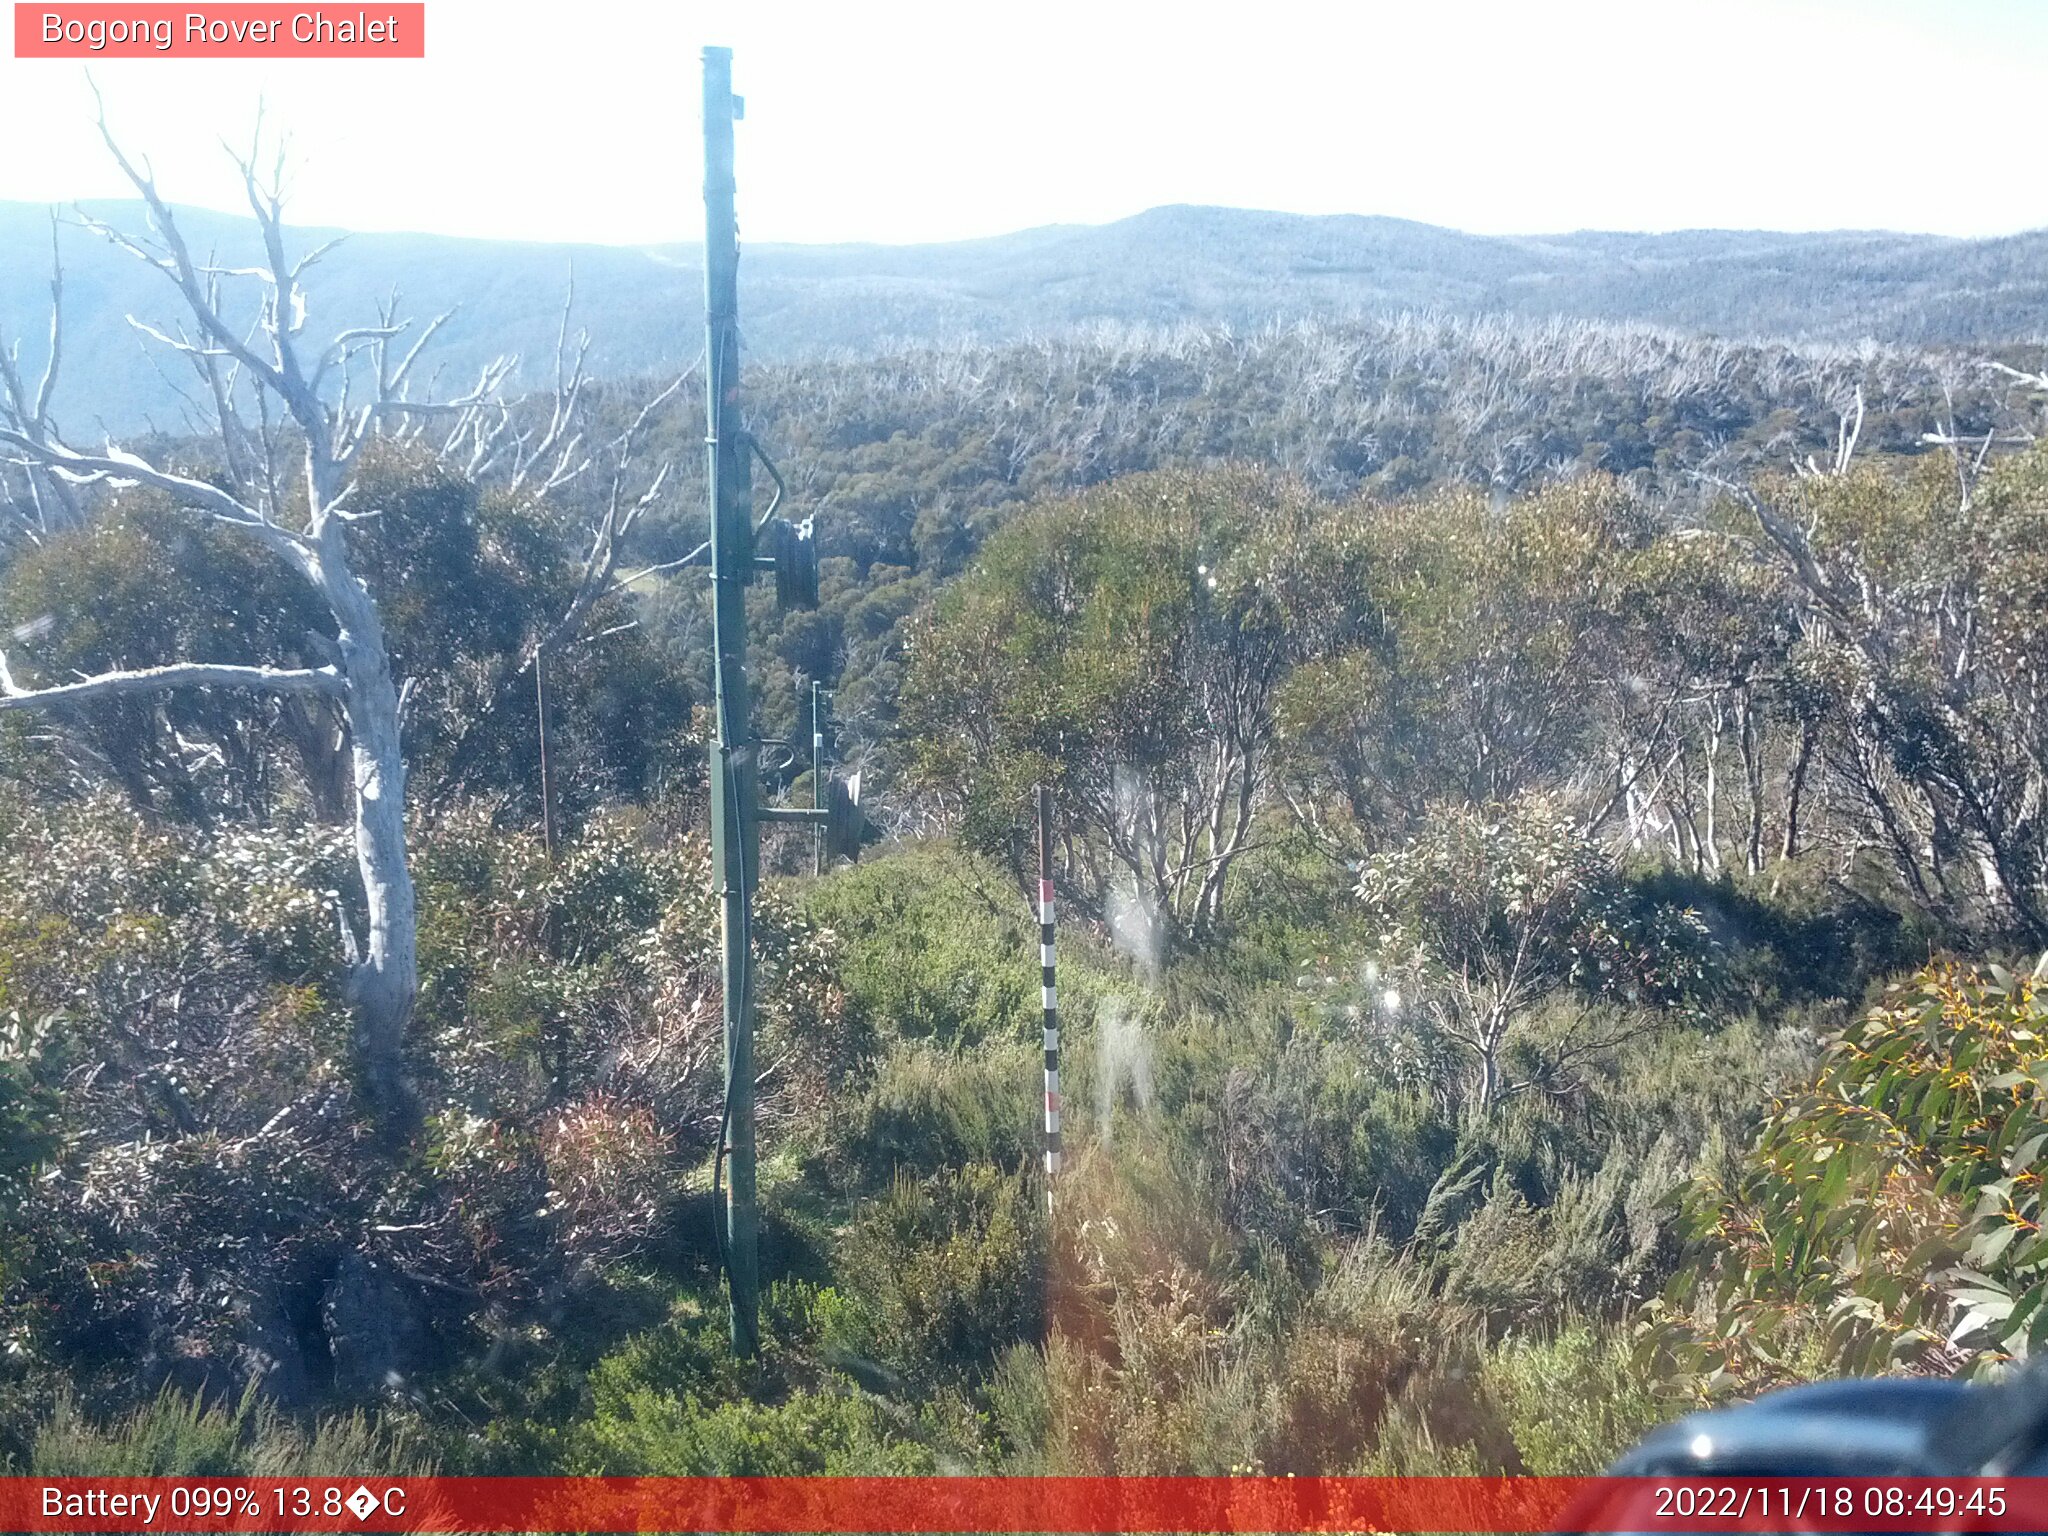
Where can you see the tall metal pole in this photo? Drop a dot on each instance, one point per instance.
(734, 827)
(1049, 993)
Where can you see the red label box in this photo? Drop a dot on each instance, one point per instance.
(376, 30)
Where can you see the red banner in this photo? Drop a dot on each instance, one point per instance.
(1053, 1504)
(231, 31)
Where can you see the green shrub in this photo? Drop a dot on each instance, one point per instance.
(1603, 1241)
(673, 1402)
(938, 945)
(1572, 1401)
(1888, 1215)
(1373, 1324)
(180, 1436)
(811, 1434)
(928, 1108)
(947, 1271)
(1295, 1121)
(1411, 1445)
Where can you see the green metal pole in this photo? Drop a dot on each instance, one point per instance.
(734, 828)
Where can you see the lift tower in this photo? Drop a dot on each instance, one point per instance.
(736, 811)
(734, 836)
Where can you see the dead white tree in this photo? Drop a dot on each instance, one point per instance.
(299, 516)
(44, 501)
(290, 419)
(543, 453)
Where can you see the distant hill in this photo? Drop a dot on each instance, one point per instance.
(1169, 266)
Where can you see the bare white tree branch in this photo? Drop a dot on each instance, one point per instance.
(324, 682)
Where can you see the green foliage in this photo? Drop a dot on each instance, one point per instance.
(947, 1271)
(1373, 1327)
(1139, 1371)
(146, 584)
(1122, 647)
(186, 1436)
(932, 936)
(211, 1210)
(1482, 674)
(1796, 939)
(927, 1109)
(1599, 1241)
(1593, 1369)
(466, 582)
(674, 1403)
(1923, 654)
(1298, 1119)
(171, 1011)
(1560, 1404)
(1605, 804)
(811, 1434)
(1887, 1216)
(1498, 907)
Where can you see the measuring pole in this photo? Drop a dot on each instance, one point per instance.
(1049, 993)
(734, 827)
(817, 775)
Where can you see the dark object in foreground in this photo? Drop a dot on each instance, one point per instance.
(1883, 1427)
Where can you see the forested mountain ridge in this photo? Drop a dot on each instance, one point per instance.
(1168, 266)
(911, 460)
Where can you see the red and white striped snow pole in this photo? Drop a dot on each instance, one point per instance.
(1049, 992)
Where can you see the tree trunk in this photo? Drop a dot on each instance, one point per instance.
(1489, 1038)
(1709, 846)
(1753, 786)
(1489, 1086)
(1795, 788)
(383, 982)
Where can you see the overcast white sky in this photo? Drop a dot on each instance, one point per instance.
(899, 120)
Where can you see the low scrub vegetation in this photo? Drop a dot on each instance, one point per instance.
(1531, 962)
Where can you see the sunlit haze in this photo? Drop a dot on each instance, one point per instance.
(913, 122)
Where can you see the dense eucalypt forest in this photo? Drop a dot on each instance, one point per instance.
(1552, 821)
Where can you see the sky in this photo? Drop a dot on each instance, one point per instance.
(905, 121)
